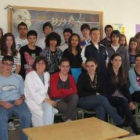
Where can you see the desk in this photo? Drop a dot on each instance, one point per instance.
(84, 129)
(131, 138)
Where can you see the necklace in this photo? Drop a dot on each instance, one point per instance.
(94, 83)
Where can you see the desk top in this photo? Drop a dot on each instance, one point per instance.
(131, 138)
(84, 129)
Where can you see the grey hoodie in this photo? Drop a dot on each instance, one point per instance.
(125, 57)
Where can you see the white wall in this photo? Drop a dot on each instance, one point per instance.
(115, 11)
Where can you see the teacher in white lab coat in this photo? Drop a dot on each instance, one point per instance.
(36, 93)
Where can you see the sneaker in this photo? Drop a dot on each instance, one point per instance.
(16, 122)
(69, 120)
(11, 126)
(135, 128)
(55, 111)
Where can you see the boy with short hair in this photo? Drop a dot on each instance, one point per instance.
(28, 53)
(85, 30)
(47, 29)
(107, 41)
(12, 99)
(21, 40)
(66, 33)
(98, 51)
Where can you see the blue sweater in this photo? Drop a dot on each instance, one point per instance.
(133, 82)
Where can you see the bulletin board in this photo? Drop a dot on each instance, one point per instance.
(35, 17)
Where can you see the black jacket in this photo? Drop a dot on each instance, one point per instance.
(124, 90)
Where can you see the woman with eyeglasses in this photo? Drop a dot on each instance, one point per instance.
(36, 93)
(63, 90)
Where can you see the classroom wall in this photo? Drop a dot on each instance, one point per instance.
(115, 11)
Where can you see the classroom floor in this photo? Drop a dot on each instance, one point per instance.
(14, 135)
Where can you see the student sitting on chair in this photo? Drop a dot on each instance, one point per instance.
(36, 93)
(12, 99)
(63, 90)
(134, 78)
(90, 90)
(118, 91)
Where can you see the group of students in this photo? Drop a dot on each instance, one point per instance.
(85, 73)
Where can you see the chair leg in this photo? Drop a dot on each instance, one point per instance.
(80, 114)
(136, 112)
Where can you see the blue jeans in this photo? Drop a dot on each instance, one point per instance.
(20, 111)
(101, 106)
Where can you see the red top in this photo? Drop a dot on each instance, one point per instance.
(61, 93)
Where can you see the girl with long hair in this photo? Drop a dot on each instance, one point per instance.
(1, 35)
(118, 91)
(73, 53)
(9, 48)
(133, 50)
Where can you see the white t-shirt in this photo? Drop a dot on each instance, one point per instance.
(97, 46)
(63, 47)
(11, 87)
(115, 47)
(41, 43)
(20, 42)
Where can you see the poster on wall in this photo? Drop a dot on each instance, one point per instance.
(119, 26)
(137, 28)
(59, 18)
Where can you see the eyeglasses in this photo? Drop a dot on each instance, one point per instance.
(8, 64)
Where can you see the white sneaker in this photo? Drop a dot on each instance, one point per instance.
(69, 120)
(16, 122)
(11, 126)
(55, 111)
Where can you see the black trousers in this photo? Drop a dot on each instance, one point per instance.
(122, 107)
(68, 106)
(136, 96)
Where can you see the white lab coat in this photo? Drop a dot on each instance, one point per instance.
(35, 93)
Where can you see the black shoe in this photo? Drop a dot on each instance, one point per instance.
(135, 128)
